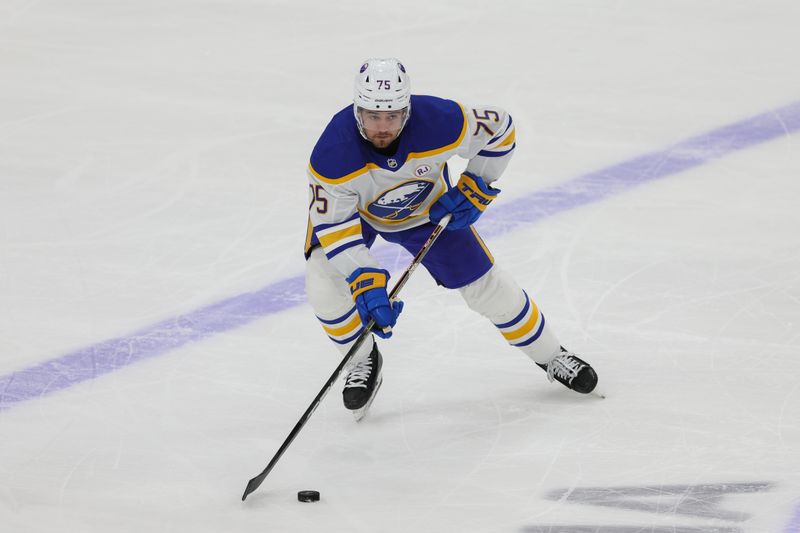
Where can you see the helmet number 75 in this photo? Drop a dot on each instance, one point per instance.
(384, 84)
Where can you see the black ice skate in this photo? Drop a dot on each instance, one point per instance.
(362, 384)
(572, 371)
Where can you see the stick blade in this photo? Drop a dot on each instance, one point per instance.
(252, 485)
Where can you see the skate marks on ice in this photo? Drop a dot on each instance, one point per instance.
(88, 363)
(619, 178)
(690, 501)
(157, 339)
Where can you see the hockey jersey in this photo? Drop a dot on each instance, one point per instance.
(351, 183)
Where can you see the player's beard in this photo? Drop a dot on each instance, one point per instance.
(383, 140)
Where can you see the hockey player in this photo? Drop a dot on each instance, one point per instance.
(380, 168)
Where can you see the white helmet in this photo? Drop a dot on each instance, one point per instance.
(382, 85)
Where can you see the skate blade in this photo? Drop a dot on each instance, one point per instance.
(360, 414)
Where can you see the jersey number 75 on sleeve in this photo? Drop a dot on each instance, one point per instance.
(319, 198)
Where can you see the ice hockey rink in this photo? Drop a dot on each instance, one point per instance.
(155, 343)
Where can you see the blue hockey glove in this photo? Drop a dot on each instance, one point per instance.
(368, 288)
(466, 202)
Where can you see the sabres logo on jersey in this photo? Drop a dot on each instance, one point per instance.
(399, 202)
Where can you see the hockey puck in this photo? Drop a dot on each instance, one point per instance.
(308, 496)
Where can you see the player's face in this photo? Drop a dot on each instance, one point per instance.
(381, 127)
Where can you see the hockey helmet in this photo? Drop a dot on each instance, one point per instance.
(382, 84)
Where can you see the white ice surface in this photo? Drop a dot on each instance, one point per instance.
(152, 161)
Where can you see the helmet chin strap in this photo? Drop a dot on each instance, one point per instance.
(361, 127)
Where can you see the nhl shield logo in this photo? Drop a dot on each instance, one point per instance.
(398, 203)
(392, 163)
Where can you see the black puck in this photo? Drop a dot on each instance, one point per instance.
(308, 496)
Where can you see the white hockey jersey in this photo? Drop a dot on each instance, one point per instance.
(351, 183)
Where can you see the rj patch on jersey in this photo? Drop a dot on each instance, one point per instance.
(393, 192)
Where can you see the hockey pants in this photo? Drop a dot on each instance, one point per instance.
(495, 295)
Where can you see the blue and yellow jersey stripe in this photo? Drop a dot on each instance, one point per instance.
(503, 143)
(343, 179)
(452, 146)
(337, 237)
(435, 127)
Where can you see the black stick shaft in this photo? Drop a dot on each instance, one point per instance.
(254, 483)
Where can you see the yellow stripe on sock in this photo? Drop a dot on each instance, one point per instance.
(343, 330)
(526, 328)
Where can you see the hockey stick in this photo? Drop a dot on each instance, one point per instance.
(254, 483)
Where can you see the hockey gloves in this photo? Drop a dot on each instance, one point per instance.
(466, 201)
(368, 287)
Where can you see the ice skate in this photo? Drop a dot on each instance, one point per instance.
(362, 384)
(572, 371)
